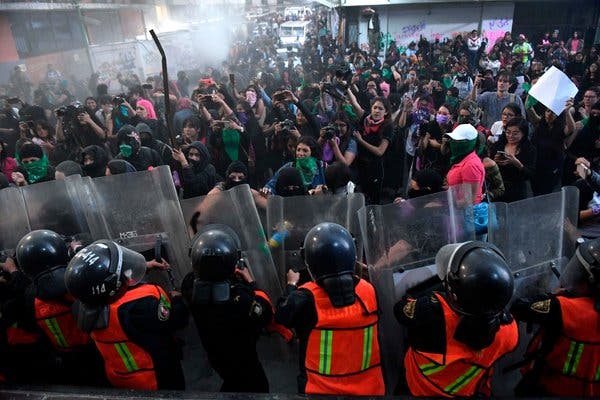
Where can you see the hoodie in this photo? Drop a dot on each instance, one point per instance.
(198, 178)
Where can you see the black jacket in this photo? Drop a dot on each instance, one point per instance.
(144, 159)
(198, 179)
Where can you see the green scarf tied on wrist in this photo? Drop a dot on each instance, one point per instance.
(36, 170)
(459, 149)
(308, 169)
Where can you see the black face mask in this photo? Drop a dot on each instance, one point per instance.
(413, 193)
(292, 191)
(463, 120)
(230, 183)
(146, 140)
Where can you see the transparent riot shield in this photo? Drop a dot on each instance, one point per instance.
(401, 241)
(56, 205)
(14, 223)
(537, 237)
(290, 218)
(236, 209)
(141, 211)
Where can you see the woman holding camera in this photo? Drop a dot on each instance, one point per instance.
(336, 142)
(376, 132)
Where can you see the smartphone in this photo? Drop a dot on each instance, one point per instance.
(158, 249)
(582, 171)
(501, 154)
(232, 79)
(279, 96)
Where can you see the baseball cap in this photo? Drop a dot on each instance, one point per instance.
(463, 132)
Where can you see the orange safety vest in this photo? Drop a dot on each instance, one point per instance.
(127, 365)
(273, 326)
(572, 367)
(461, 371)
(342, 353)
(58, 323)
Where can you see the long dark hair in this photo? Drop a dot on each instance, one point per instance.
(523, 126)
(344, 140)
(315, 149)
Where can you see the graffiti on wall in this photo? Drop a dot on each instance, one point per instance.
(109, 61)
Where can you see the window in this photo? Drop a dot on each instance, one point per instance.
(37, 33)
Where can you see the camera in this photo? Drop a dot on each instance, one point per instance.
(118, 100)
(286, 126)
(335, 90)
(330, 131)
(462, 77)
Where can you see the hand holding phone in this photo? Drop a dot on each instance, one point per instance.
(502, 154)
(582, 171)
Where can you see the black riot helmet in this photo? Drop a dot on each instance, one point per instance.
(215, 252)
(101, 272)
(330, 254)
(477, 278)
(581, 276)
(41, 250)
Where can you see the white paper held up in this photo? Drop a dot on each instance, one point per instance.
(553, 89)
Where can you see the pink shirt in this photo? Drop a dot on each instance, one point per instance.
(468, 170)
(7, 167)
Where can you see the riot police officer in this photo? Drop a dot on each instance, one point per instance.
(43, 256)
(564, 356)
(335, 317)
(455, 337)
(131, 322)
(228, 310)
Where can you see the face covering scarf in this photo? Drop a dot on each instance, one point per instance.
(36, 170)
(126, 150)
(251, 98)
(459, 149)
(308, 169)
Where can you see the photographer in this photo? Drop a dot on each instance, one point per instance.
(76, 129)
(336, 141)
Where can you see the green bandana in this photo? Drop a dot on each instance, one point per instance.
(126, 150)
(308, 169)
(447, 82)
(452, 101)
(530, 102)
(366, 74)
(36, 170)
(349, 111)
(459, 149)
(386, 74)
(231, 143)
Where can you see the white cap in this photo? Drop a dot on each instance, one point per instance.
(464, 132)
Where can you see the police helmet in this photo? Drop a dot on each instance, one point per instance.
(329, 250)
(581, 276)
(101, 272)
(476, 276)
(215, 252)
(41, 250)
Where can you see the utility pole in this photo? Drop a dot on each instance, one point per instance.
(86, 39)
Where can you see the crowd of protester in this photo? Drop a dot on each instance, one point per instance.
(325, 118)
(383, 118)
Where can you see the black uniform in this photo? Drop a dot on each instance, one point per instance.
(229, 332)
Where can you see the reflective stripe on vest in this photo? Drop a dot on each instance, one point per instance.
(459, 383)
(573, 357)
(342, 351)
(55, 330)
(126, 356)
(325, 360)
(460, 371)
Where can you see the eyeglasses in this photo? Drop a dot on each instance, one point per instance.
(590, 97)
